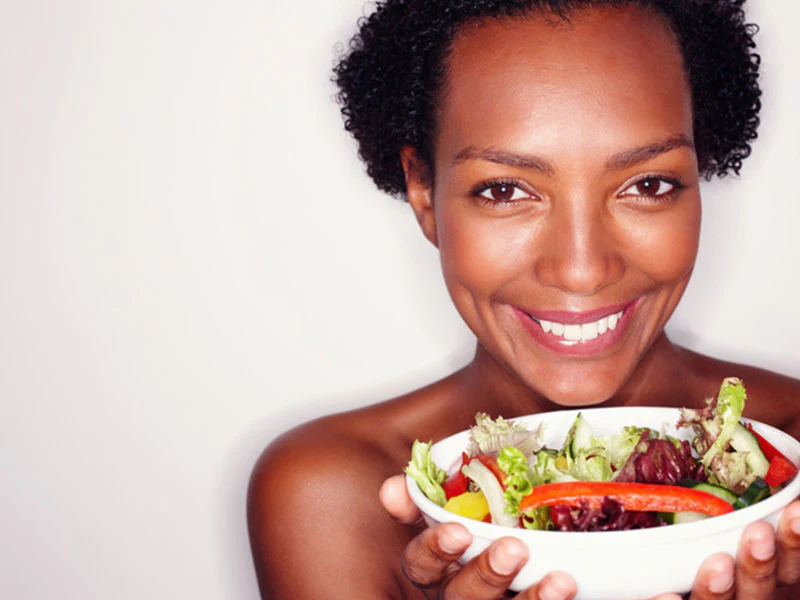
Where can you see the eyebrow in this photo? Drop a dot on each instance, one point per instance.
(619, 161)
(629, 158)
(502, 157)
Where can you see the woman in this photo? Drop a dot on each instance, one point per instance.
(552, 152)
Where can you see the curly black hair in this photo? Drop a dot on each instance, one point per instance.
(393, 70)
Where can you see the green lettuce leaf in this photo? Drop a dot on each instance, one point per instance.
(594, 467)
(619, 446)
(714, 425)
(519, 480)
(424, 471)
(546, 469)
(714, 428)
(730, 405)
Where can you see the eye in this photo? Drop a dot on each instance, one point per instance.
(503, 191)
(651, 187)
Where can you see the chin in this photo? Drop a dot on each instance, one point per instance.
(578, 391)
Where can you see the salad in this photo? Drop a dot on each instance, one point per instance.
(632, 479)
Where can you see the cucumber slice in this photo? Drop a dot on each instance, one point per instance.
(579, 436)
(757, 491)
(716, 490)
(682, 517)
(690, 517)
(744, 441)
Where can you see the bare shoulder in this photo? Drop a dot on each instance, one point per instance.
(315, 521)
(317, 527)
(771, 397)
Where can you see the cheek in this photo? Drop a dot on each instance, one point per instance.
(480, 254)
(664, 245)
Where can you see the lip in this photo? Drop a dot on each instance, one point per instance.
(579, 318)
(600, 345)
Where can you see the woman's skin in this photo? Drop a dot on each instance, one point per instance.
(564, 181)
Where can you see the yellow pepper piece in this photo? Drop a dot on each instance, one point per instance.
(561, 462)
(472, 505)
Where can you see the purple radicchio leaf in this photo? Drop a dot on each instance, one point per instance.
(661, 461)
(611, 516)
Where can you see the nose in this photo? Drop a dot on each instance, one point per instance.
(580, 251)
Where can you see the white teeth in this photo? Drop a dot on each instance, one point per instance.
(602, 325)
(584, 332)
(589, 331)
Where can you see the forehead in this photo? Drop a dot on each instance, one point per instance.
(606, 79)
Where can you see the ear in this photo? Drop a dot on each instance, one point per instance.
(419, 191)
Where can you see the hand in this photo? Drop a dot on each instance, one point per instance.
(764, 560)
(430, 560)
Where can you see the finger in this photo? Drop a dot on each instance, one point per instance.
(756, 563)
(789, 545)
(395, 499)
(715, 579)
(668, 597)
(554, 586)
(488, 576)
(428, 557)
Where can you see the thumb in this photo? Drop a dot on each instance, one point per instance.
(395, 499)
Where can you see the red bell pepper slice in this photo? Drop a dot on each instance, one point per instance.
(632, 496)
(457, 483)
(781, 470)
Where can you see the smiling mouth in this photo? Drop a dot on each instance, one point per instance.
(571, 334)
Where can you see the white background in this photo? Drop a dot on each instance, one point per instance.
(192, 261)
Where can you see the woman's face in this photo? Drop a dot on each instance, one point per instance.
(565, 199)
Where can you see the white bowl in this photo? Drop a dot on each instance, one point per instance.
(615, 565)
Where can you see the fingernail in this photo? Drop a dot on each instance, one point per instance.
(762, 549)
(507, 557)
(453, 541)
(551, 589)
(720, 581)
